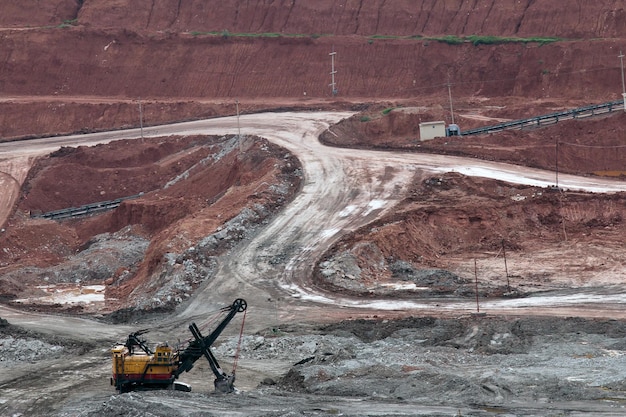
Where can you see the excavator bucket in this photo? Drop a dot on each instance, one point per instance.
(225, 385)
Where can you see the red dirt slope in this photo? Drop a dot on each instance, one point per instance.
(604, 18)
(34, 13)
(179, 52)
(586, 146)
(191, 186)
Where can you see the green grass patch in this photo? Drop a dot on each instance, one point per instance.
(68, 23)
(387, 110)
(449, 39)
(384, 37)
(496, 40)
(365, 119)
(226, 34)
(489, 40)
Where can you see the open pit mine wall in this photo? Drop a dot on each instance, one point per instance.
(163, 49)
(524, 18)
(75, 62)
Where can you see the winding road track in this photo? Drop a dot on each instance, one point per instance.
(344, 189)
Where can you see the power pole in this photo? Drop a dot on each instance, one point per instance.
(238, 126)
(333, 85)
(141, 119)
(476, 284)
(450, 97)
(621, 60)
(239, 142)
(556, 161)
(506, 268)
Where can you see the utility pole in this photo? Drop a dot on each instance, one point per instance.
(333, 85)
(141, 119)
(450, 97)
(238, 126)
(556, 160)
(476, 284)
(621, 60)
(239, 142)
(506, 268)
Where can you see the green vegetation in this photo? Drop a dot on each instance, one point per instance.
(449, 39)
(226, 34)
(68, 23)
(494, 40)
(365, 119)
(387, 110)
(384, 37)
(490, 40)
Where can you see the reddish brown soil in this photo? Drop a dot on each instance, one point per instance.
(186, 196)
(592, 146)
(603, 18)
(432, 229)
(187, 61)
(77, 66)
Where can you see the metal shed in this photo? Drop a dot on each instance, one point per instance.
(432, 130)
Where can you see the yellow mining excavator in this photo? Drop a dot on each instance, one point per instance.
(137, 367)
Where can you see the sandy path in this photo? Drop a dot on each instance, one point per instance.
(343, 190)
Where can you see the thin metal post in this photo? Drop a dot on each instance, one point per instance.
(556, 157)
(476, 283)
(141, 119)
(333, 84)
(238, 126)
(450, 96)
(621, 59)
(506, 269)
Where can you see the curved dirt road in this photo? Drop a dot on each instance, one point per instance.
(344, 189)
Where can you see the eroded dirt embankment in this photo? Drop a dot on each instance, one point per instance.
(195, 197)
(604, 18)
(587, 146)
(85, 62)
(80, 66)
(428, 247)
(177, 52)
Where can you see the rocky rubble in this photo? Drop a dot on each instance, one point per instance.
(25, 350)
(17, 347)
(473, 360)
(473, 365)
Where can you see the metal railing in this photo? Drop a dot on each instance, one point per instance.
(84, 210)
(549, 119)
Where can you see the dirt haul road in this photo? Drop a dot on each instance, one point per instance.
(343, 190)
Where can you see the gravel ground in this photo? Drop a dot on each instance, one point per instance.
(469, 366)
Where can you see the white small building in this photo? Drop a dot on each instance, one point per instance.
(432, 130)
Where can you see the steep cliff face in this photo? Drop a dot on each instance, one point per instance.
(573, 19)
(186, 51)
(134, 65)
(33, 13)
